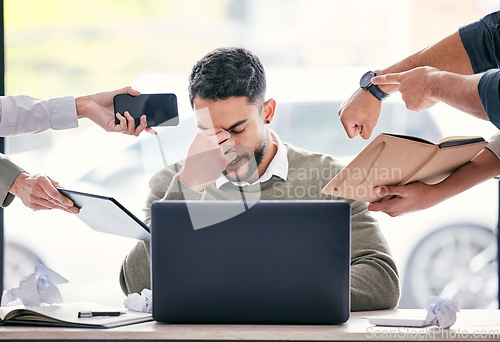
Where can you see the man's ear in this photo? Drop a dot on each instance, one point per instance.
(268, 110)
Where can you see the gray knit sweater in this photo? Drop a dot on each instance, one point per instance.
(374, 278)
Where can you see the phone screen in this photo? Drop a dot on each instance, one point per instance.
(160, 109)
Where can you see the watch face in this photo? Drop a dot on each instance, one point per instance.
(365, 80)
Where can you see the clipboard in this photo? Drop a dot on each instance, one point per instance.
(107, 215)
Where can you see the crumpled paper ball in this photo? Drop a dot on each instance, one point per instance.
(36, 289)
(140, 302)
(441, 312)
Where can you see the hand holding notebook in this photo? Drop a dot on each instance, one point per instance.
(398, 160)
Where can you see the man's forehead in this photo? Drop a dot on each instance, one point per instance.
(202, 114)
(233, 103)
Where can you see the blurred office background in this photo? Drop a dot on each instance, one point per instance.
(314, 52)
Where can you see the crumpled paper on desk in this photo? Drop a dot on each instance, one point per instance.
(140, 302)
(36, 289)
(441, 312)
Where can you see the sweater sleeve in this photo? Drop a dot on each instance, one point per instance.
(374, 277)
(8, 174)
(135, 273)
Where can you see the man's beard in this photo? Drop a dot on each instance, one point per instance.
(253, 161)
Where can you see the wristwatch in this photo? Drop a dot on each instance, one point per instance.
(366, 84)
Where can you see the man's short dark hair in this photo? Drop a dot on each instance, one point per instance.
(228, 72)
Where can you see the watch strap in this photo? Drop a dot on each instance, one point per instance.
(377, 92)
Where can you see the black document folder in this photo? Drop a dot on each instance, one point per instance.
(107, 215)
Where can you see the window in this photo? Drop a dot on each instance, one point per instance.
(56, 48)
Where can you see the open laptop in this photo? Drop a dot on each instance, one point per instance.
(279, 262)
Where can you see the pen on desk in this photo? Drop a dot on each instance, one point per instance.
(89, 314)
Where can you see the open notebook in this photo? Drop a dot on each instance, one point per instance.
(392, 159)
(66, 315)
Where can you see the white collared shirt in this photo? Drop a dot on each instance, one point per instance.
(277, 167)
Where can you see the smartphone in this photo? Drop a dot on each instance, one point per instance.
(160, 109)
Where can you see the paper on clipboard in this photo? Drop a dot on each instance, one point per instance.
(399, 321)
(107, 215)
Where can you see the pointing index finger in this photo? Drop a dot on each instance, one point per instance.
(387, 79)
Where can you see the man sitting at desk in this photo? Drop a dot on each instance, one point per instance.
(237, 156)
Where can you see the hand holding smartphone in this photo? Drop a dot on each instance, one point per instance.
(160, 109)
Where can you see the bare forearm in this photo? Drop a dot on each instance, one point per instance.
(458, 91)
(448, 55)
(484, 166)
(418, 196)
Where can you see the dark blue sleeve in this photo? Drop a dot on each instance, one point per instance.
(489, 94)
(481, 40)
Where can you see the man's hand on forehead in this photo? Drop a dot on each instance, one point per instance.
(209, 154)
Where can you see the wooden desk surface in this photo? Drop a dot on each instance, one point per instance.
(481, 325)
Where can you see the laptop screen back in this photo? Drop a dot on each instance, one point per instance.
(278, 262)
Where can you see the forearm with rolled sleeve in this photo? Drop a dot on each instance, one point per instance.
(481, 40)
